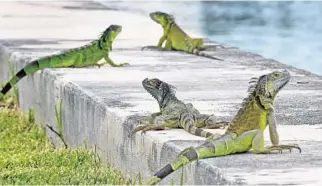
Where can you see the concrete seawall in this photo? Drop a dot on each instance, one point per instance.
(101, 105)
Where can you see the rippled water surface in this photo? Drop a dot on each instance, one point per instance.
(290, 32)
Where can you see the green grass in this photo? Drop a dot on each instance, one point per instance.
(28, 157)
(15, 88)
(59, 119)
(10, 100)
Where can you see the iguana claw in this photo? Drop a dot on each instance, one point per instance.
(280, 148)
(145, 128)
(155, 48)
(150, 48)
(138, 128)
(124, 64)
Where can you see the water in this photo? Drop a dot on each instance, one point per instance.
(290, 32)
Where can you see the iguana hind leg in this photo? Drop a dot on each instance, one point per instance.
(151, 119)
(217, 125)
(210, 121)
(198, 43)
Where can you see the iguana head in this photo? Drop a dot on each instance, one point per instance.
(269, 85)
(160, 90)
(109, 35)
(162, 18)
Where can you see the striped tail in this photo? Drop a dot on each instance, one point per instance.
(28, 69)
(199, 53)
(182, 160)
(186, 157)
(187, 121)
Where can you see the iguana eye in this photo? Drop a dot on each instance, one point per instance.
(155, 82)
(152, 82)
(276, 75)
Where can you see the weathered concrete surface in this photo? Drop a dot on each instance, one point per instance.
(99, 104)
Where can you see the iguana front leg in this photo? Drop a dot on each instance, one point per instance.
(168, 45)
(158, 123)
(144, 128)
(153, 115)
(161, 40)
(274, 137)
(271, 122)
(150, 121)
(155, 48)
(258, 144)
(110, 62)
(159, 47)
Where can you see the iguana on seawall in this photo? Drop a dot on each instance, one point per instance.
(245, 131)
(84, 56)
(175, 37)
(174, 113)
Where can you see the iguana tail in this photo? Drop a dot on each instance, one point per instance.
(199, 53)
(187, 122)
(28, 69)
(46, 62)
(208, 149)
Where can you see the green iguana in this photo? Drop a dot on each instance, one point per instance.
(88, 55)
(175, 37)
(174, 113)
(245, 131)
